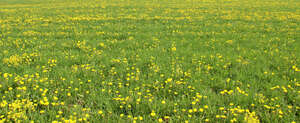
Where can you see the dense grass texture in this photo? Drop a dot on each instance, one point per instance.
(167, 61)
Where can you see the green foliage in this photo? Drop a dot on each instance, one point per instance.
(149, 61)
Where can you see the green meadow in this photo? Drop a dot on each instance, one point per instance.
(168, 61)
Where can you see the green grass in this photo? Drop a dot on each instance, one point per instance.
(149, 61)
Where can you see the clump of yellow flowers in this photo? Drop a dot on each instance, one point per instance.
(251, 117)
(168, 61)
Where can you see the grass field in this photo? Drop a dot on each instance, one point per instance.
(168, 61)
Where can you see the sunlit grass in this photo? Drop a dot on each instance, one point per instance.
(149, 61)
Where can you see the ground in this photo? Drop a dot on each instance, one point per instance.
(150, 61)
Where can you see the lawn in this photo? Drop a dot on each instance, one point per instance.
(169, 61)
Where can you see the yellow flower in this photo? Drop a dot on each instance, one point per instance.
(206, 107)
(201, 109)
(153, 114)
(55, 98)
(100, 112)
(42, 111)
(173, 48)
(251, 118)
(160, 120)
(206, 120)
(229, 41)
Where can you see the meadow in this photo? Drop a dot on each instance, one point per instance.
(169, 61)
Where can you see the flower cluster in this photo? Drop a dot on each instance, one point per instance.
(149, 61)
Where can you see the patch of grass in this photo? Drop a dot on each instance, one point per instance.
(149, 61)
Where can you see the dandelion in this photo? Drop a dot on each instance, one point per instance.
(160, 120)
(173, 49)
(251, 118)
(153, 114)
(100, 112)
